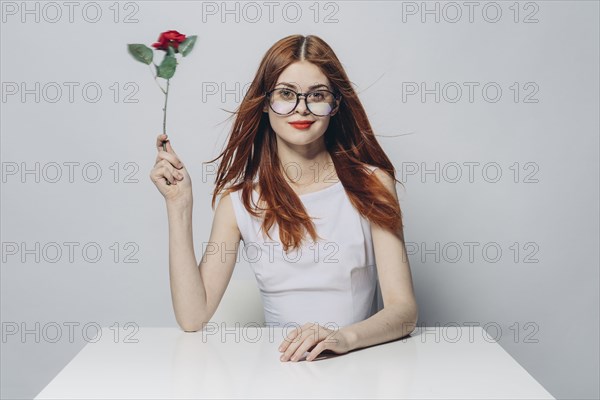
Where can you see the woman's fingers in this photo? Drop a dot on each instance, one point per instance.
(159, 141)
(160, 173)
(168, 173)
(170, 150)
(162, 138)
(171, 158)
(168, 155)
(169, 170)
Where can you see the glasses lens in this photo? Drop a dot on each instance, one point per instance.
(320, 102)
(283, 101)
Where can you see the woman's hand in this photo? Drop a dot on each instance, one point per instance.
(313, 338)
(169, 167)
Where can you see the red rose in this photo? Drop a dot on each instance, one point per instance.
(172, 38)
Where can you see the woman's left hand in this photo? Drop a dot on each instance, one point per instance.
(315, 337)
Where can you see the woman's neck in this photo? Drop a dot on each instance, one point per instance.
(305, 166)
(302, 173)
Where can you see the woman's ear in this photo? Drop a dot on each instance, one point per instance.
(336, 109)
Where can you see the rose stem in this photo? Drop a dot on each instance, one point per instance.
(165, 121)
(165, 114)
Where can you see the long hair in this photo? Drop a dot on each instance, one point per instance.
(349, 139)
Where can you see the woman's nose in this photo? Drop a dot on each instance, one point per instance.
(302, 108)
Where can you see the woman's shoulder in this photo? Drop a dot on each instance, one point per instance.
(372, 167)
(225, 214)
(238, 198)
(384, 177)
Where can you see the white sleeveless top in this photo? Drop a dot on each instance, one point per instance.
(332, 282)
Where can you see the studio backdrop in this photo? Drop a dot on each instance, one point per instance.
(488, 111)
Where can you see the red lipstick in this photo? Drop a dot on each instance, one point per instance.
(305, 124)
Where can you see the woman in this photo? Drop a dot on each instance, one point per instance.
(300, 117)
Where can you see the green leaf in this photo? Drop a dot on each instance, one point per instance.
(166, 69)
(187, 45)
(141, 52)
(170, 50)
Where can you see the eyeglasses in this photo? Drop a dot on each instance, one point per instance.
(320, 102)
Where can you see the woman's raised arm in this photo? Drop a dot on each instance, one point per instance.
(196, 289)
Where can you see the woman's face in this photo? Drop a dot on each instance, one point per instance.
(301, 77)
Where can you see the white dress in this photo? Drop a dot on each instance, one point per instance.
(332, 282)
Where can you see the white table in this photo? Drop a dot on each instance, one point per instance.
(169, 363)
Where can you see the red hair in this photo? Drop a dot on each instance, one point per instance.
(349, 140)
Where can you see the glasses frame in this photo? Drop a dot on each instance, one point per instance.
(337, 97)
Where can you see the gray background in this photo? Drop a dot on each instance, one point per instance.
(547, 310)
